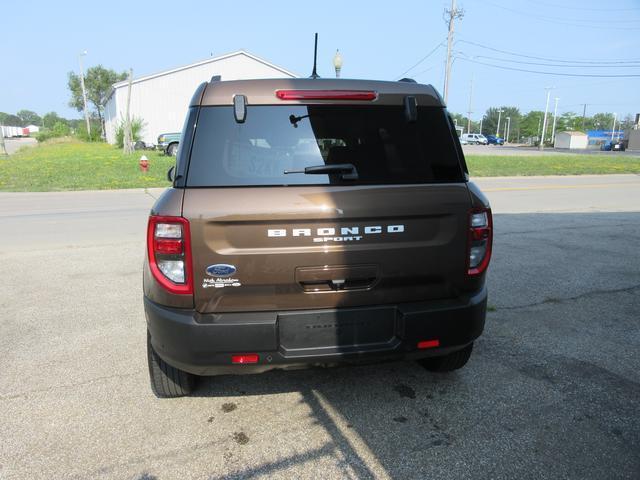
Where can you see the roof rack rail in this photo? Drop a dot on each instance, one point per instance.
(216, 78)
(410, 80)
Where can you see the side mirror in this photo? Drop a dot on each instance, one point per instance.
(171, 174)
(240, 108)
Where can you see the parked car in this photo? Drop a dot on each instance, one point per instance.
(474, 138)
(168, 143)
(613, 145)
(493, 140)
(312, 222)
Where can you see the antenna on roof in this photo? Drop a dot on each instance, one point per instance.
(314, 74)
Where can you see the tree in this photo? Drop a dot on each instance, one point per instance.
(9, 120)
(490, 124)
(98, 82)
(27, 117)
(51, 118)
(568, 121)
(600, 121)
(531, 124)
(627, 122)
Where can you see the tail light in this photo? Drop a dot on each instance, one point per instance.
(480, 241)
(169, 250)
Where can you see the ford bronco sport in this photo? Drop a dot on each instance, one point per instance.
(314, 222)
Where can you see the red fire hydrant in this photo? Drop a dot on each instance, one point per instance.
(144, 163)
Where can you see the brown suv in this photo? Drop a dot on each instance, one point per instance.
(313, 222)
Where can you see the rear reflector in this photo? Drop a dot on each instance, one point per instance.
(428, 344)
(247, 358)
(364, 95)
(168, 246)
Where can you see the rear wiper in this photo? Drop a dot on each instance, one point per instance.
(347, 171)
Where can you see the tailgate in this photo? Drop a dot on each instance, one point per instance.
(289, 248)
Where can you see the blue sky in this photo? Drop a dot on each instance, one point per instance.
(377, 40)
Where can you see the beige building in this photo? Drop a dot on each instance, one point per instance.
(571, 140)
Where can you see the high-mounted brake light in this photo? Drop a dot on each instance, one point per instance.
(480, 241)
(169, 252)
(364, 95)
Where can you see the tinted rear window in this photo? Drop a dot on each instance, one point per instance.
(377, 140)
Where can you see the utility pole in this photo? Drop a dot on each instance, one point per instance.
(3, 150)
(481, 124)
(128, 140)
(544, 122)
(555, 113)
(498, 127)
(613, 130)
(584, 114)
(84, 95)
(469, 112)
(539, 125)
(506, 139)
(452, 14)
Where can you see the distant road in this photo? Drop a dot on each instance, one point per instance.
(515, 150)
(14, 144)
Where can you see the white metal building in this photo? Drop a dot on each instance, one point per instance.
(571, 140)
(161, 100)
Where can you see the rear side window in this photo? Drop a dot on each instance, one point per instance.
(377, 140)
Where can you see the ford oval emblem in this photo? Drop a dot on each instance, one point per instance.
(221, 270)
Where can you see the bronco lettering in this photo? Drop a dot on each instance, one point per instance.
(331, 231)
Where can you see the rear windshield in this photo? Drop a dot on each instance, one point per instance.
(377, 140)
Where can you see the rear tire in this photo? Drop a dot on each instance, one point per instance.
(447, 363)
(167, 381)
(172, 150)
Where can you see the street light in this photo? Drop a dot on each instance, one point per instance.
(506, 140)
(84, 94)
(337, 63)
(544, 122)
(483, 117)
(498, 127)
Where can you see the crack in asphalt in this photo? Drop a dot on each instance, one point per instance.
(547, 301)
(71, 385)
(146, 191)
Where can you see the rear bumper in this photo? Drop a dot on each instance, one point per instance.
(204, 343)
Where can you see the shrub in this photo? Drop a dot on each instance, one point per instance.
(43, 135)
(59, 129)
(96, 132)
(137, 125)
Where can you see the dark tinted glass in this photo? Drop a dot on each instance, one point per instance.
(377, 140)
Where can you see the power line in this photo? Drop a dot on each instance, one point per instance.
(422, 59)
(585, 9)
(547, 59)
(588, 24)
(559, 64)
(557, 74)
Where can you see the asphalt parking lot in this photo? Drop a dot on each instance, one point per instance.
(552, 390)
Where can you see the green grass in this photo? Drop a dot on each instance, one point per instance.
(69, 164)
(573, 164)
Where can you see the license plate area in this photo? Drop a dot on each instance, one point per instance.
(326, 332)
